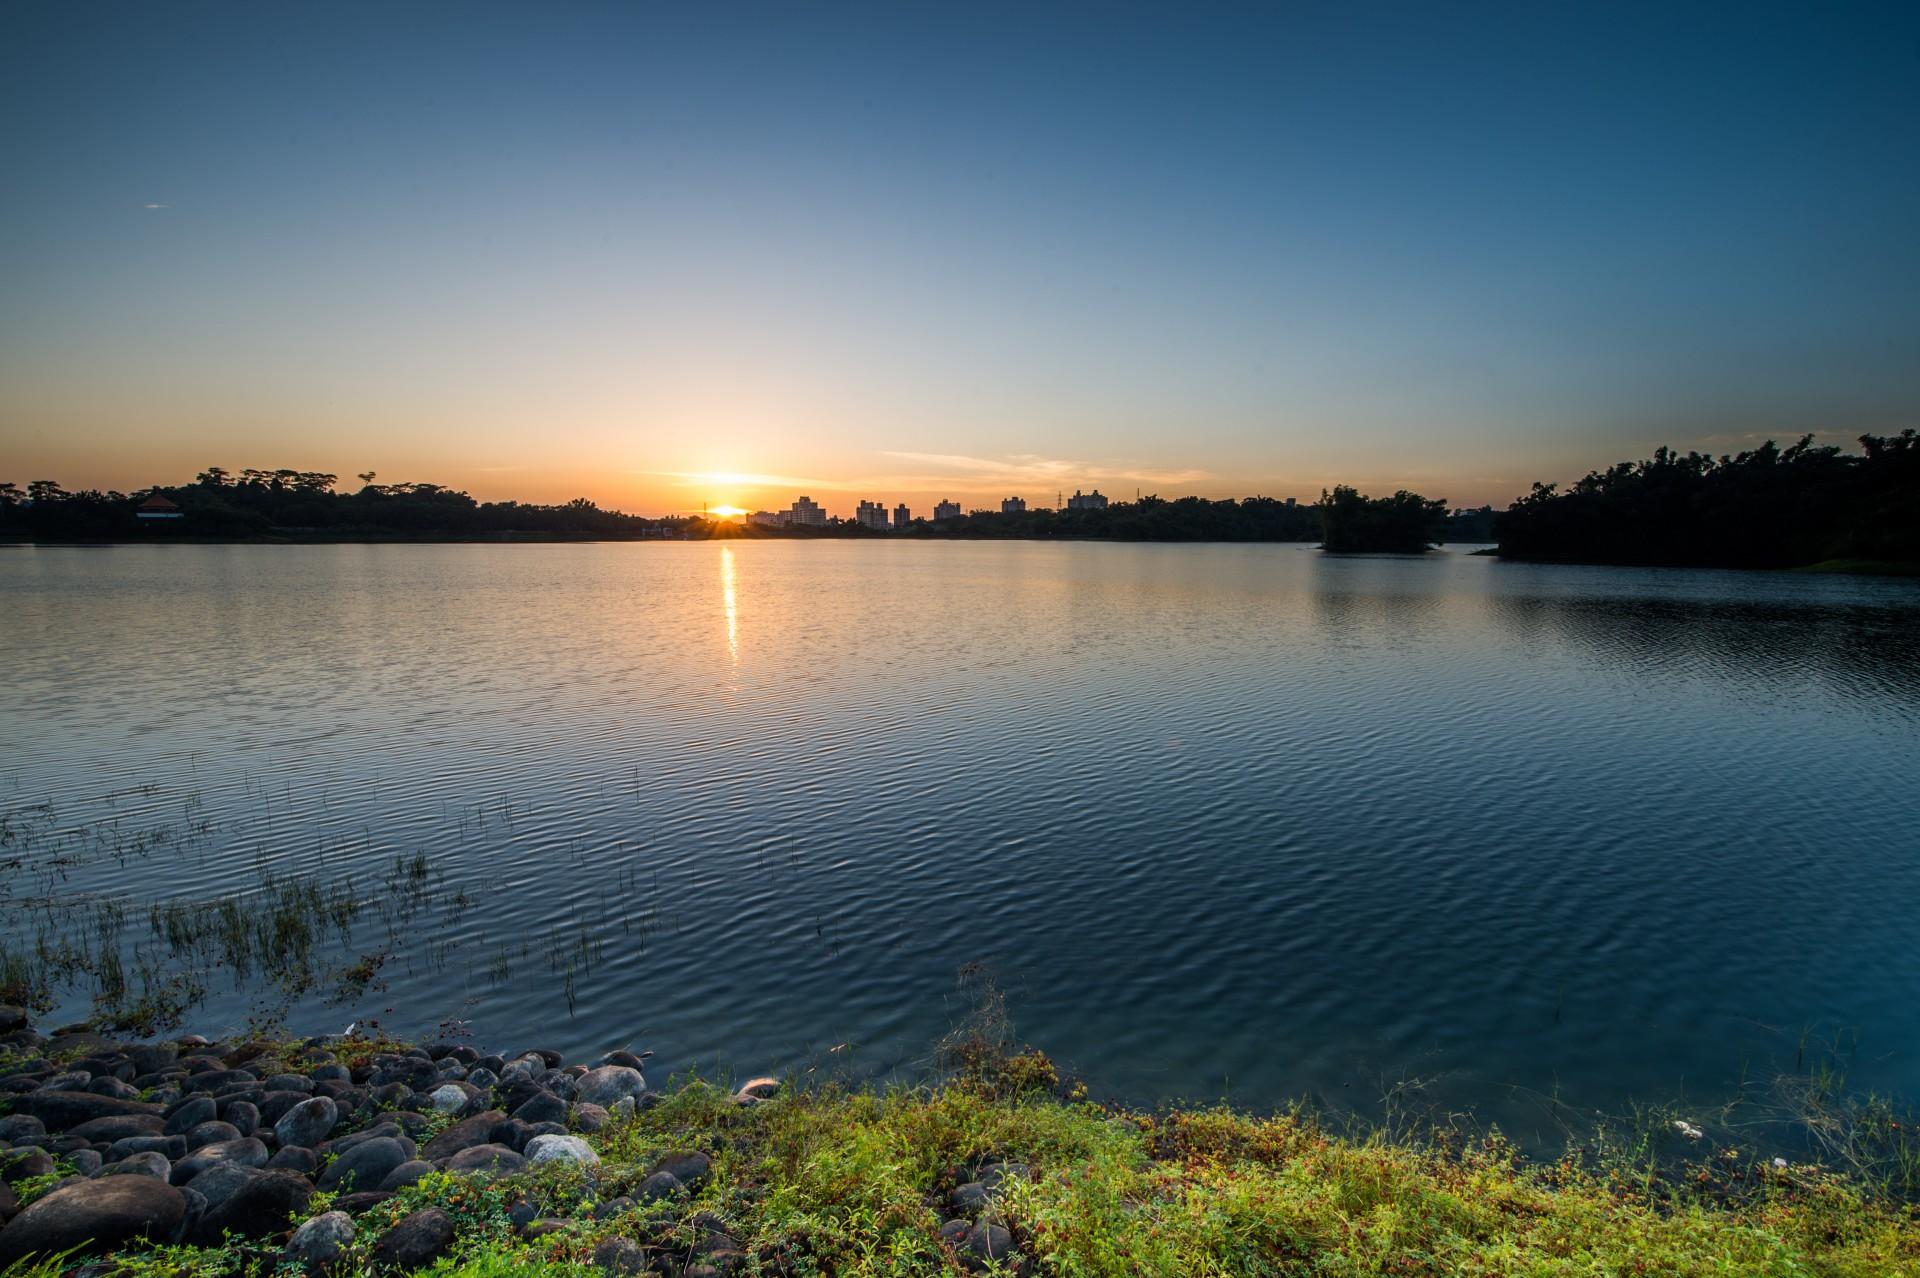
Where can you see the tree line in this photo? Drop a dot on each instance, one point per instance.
(1769, 507)
(260, 503)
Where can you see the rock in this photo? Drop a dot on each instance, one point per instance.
(289, 1083)
(9, 1204)
(495, 1160)
(408, 1172)
(218, 1183)
(543, 1107)
(591, 1118)
(213, 1079)
(448, 1099)
(212, 1133)
(174, 1147)
(561, 1149)
(622, 1256)
(265, 1205)
(954, 1233)
(366, 1165)
(993, 1175)
(354, 1204)
(623, 1109)
(22, 1129)
(244, 1115)
(608, 1083)
(622, 1057)
(85, 1162)
(95, 1216)
(116, 1127)
(112, 1087)
(25, 1161)
(248, 1152)
(66, 1110)
(613, 1207)
(689, 1167)
(969, 1199)
(308, 1123)
(295, 1158)
(512, 1133)
(72, 1080)
(151, 1163)
(759, 1088)
(465, 1133)
(415, 1242)
(191, 1113)
(274, 1105)
(657, 1186)
(985, 1242)
(12, 1018)
(341, 1144)
(321, 1245)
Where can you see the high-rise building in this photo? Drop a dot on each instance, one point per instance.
(871, 514)
(901, 517)
(1086, 501)
(946, 510)
(770, 518)
(807, 511)
(1013, 505)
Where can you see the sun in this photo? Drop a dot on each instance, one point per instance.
(727, 512)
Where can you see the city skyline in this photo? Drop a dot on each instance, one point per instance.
(670, 260)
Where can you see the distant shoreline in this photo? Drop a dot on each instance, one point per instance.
(1836, 567)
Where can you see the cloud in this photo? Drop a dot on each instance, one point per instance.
(157, 206)
(1031, 468)
(739, 479)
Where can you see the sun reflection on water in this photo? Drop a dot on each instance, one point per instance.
(727, 601)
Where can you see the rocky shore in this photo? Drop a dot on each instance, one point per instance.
(345, 1156)
(202, 1144)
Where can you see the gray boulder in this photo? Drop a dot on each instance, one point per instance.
(150, 1163)
(265, 1204)
(607, 1084)
(308, 1123)
(415, 1242)
(366, 1164)
(467, 1132)
(321, 1245)
(496, 1160)
(408, 1172)
(249, 1152)
(212, 1133)
(94, 1216)
(561, 1149)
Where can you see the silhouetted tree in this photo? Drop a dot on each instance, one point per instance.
(1765, 508)
(1406, 522)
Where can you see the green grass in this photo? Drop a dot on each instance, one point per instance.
(848, 1180)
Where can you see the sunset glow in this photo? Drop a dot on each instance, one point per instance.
(1233, 257)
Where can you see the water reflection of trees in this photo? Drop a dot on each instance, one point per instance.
(1854, 651)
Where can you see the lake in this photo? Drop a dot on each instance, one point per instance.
(1222, 821)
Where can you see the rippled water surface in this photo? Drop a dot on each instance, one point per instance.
(1244, 821)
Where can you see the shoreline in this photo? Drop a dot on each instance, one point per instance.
(349, 1155)
(1829, 567)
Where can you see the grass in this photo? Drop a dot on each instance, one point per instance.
(846, 1180)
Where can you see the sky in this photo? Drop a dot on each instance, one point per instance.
(672, 256)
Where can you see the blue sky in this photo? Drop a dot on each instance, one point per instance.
(663, 257)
